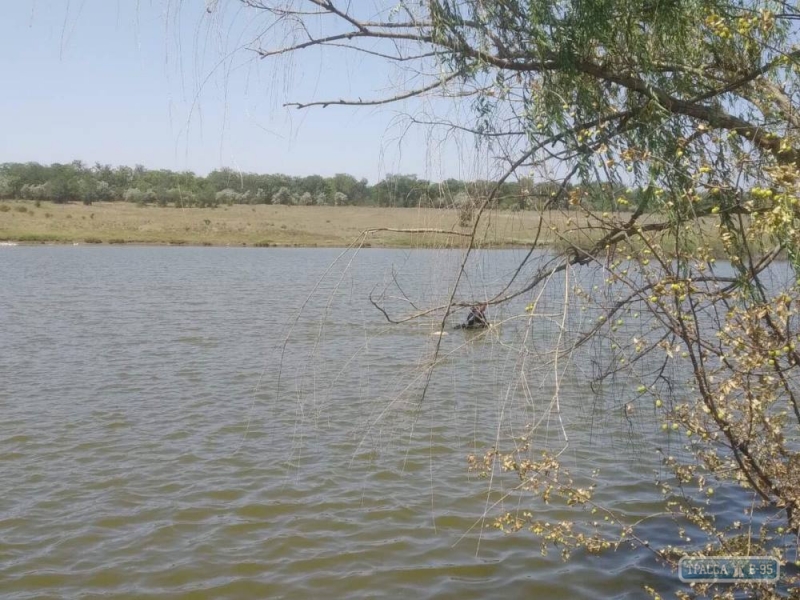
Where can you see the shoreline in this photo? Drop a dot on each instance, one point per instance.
(178, 244)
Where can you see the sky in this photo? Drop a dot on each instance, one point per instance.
(169, 84)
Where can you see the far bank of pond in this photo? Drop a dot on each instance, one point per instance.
(268, 225)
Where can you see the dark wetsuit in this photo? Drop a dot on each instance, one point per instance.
(476, 317)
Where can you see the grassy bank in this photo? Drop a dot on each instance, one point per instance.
(261, 225)
(267, 225)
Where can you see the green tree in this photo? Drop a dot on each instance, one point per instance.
(7, 187)
(312, 185)
(223, 179)
(64, 185)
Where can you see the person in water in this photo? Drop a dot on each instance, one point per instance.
(476, 317)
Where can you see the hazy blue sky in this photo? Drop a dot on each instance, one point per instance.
(161, 83)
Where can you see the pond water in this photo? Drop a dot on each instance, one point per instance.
(172, 429)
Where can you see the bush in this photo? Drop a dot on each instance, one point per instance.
(4, 208)
(229, 196)
(182, 199)
(93, 240)
(133, 195)
(466, 209)
(172, 195)
(283, 196)
(36, 192)
(22, 209)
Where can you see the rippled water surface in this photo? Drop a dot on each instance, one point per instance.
(167, 432)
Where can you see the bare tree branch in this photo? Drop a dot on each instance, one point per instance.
(397, 98)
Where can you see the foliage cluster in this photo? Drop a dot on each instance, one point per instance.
(77, 182)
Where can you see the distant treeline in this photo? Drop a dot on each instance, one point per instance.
(78, 182)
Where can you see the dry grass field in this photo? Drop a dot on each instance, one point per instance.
(260, 225)
(267, 225)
